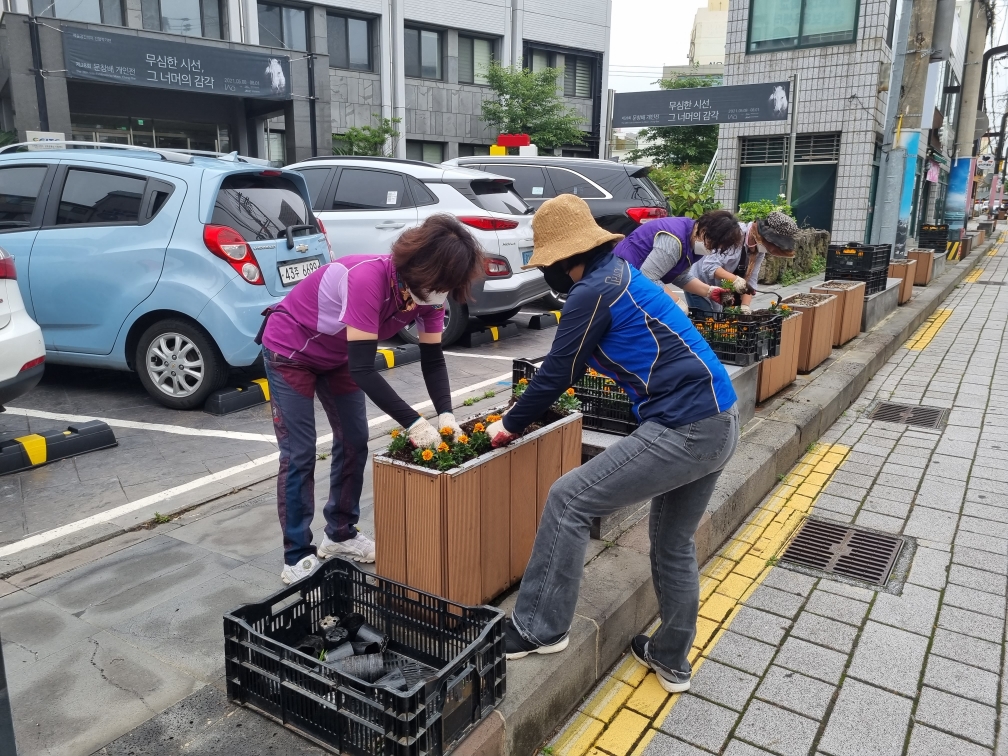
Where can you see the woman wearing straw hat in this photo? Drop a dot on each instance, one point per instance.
(627, 328)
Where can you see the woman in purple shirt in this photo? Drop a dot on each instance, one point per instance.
(322, 341)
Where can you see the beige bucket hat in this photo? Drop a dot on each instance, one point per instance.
(563, 227)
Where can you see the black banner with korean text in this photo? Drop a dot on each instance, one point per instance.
(702, 106)
(165, 64)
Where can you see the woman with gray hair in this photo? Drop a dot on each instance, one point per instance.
(740, 265)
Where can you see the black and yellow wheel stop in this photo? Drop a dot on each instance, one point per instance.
(488, 335)
(234, 398)
(37, 449)
(545, 320)
(388, 358)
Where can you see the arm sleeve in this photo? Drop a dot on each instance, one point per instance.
(684, 278)
(754, 278)
(361, 356)
(435, 375)
(664, 255)
(585, 321)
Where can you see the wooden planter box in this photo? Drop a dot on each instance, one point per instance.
(467, 534)
(905, 269)
(925, 265)
(778, 372)
(850, 305)
(817, 324)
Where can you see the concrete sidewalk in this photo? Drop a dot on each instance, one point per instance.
(791, 662)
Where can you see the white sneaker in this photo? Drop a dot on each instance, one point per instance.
(294, 572)
(360, 548)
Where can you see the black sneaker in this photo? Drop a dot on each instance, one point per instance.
(671, 681)
(516, 647)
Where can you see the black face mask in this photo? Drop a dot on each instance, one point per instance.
(557, 279)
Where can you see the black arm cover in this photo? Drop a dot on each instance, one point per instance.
(435, 375)
(361, 356)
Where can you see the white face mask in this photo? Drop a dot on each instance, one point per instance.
(434, 299)
(698, 248)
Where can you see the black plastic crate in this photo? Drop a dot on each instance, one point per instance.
(933, 237)
(855, 256)
(739, 339)
(875, 280)
(461, 649)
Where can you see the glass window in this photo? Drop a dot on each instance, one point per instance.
(19, 188)
(471, 150)
(422, 53)
(569, 182)
(96, 198)
(211, 19)
(295, 28)
(181, 17)
(540, 60)
(349, 42)
(475, 56)
(270, 26)
(363, 189)
(777, 24)
(315, 177)
(421, 194)
(499, 198)
(577, 76)
(529, 180)
(91, 11)
(191, 18)
(283, 26)
(428, 152)
(259, 207)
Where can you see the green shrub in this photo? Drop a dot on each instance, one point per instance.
(750, 211)
(687, 193)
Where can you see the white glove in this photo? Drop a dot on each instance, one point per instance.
(422, 434)
(499, 435)
(740, 284)
(745, 310)
(681, 301)
(447, 420)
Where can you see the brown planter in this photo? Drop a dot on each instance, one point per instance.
(467, 534)
(907, 270)
(925, 265)
(817, 326)
(850, 304)
(780, 371)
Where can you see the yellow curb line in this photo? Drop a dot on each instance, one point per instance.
(923, 336)
(973, 276)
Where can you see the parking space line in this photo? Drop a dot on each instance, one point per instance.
(479, 356)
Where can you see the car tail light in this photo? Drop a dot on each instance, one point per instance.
(32, 363)
(645, 214)
(321, 228)
(270, 173)
(495, 267)
(488, 224)
(229, 246)
(7, 269)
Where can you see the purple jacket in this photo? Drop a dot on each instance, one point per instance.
(638, 245)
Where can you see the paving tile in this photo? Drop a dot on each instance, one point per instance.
(885, 505)
(980, 580)
(836, 584)
(979, 559)
(970, 623)
(943, 495)
(809, 659)
(961, 680)
(974, 600)
(984, 511)
(790, 581)
(836, 504)
(927, 742)
(983, 526)
(662, 745)
(889, 658)
(777, 730)
(866, 721)
(776, 601)
(931, 524)
(914, 611)
(970, 719)
(607, 698)
(824, 632)
(738, 748)
(967, 649)
(985, 543)
(577, 735)
(836, 607)
(622, 734)
(796, 692)
(699, 722)
(753, 623)
(876, 521)
(723, 685)
(34, 629)
(930, 568)
(743, 653)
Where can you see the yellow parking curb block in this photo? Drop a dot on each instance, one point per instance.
(35, 447)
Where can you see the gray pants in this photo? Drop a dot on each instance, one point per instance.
(674, 467)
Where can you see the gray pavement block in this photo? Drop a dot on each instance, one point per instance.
(845, 491)
(979, 559)
(954, 448)
(796, 692)
(743, 653)
(931, 524)
(790, 581)
(723, 685)
(962, 680)
(990, 544)
(914, 611)
(738, 748)
(824, 632)
(699, 722)
(763, 626)
(812, 660)
(866, 721)
(969, 719)
(34, 629)
(974, 600)
(776, 601)
(944, 495)
(662, 745)
(929, 568)
(777, 730)
(876, 521)
(242, 532)
(901, 487)
(836, 607)
(889, 658)
(967, 649)
(925, 741)
(973, 509)
(981, 580)
(887, 505)
(834, 503)
(847, 478)
(983, 526)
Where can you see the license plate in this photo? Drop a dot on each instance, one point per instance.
(291, 273)
(526, 256)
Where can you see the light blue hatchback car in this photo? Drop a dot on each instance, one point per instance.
(156, 261)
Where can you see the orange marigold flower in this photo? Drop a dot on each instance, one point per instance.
(446, 431)
(442, 447)
(427, 455)
(396, 433)
(493, 418)
(570, 391)
(522, 381)
(479, 428)
(463, 439)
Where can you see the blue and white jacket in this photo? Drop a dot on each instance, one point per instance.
(628, 329)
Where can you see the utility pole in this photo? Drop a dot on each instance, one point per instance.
(793, 113)
(36, 50)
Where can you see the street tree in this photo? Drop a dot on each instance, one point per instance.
(527, 103)
(678, 145)
(368, 140)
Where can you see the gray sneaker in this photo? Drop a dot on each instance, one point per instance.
(360, 548)
(673, 682)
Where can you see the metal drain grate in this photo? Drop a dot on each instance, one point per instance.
(991, 283)
(843, 550)
(909, 414)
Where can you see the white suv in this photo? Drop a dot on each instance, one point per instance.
(22, 353)
(366, 202)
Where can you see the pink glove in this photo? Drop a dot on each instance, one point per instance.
(716, 292)
(499, 436)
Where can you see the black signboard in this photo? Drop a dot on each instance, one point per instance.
(703, 105)
(164, 64)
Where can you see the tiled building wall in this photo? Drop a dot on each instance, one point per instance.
(838, 91)
(356, 98)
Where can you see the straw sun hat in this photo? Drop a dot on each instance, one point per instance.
(563, 227)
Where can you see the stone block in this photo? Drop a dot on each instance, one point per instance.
(962, 680)
(743, 653)
(880, 305)
(970, 623)
(866, 720)
(796, 692)
(775, 601)
(775, 729)
(889, 658)
(699, 722)
(967, 649)
(824, 632)
(723, 685)
(763, 626)
(925, 741)
(811, 660)
(836, 607)
(957, 715)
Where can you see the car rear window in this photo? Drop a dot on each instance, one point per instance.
(529, 180)
(569, 182)
(496, 197)
(260, 207)
(19, 188)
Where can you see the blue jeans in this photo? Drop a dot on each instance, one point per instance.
(696, 302)
(674, 467)
(293, 387)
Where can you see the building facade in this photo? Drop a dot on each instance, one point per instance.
(710, 29)
(349, 64)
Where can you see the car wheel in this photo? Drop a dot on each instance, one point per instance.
(499, 317)
(179, 364)
(556, 299)
(456, 320)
